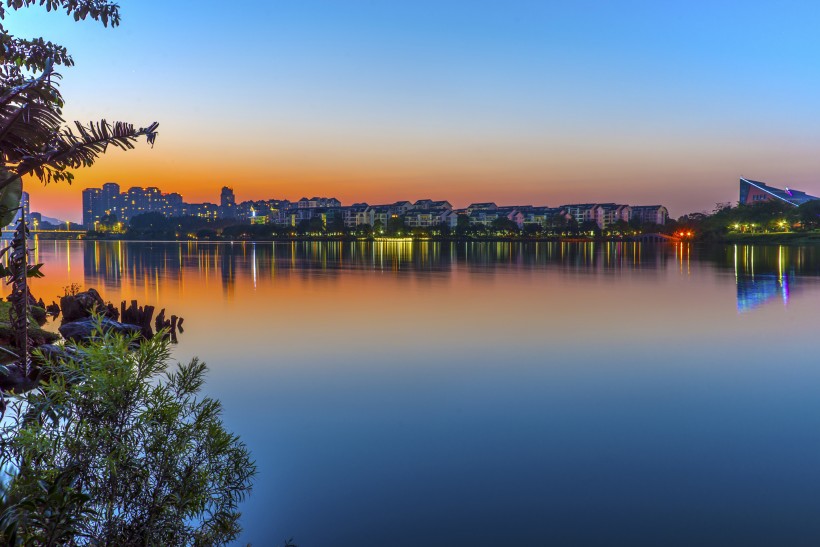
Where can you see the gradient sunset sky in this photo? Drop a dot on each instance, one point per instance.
(516, 102)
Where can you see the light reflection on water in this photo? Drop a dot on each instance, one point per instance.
(499, 393)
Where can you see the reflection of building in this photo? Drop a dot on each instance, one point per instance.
(762, 274)
(116, 264)
(752, 191)
(754, 291)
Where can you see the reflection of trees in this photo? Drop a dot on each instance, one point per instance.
(117, 263)
(762, 273)
(584, 257)
(113, 263)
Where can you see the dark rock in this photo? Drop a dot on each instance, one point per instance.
(53, 309)
(113, 312)
(82, 305)
(36, 336)
(53, 353)
(12, 378)
(84, 330)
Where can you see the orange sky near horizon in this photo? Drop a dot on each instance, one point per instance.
(554, 175)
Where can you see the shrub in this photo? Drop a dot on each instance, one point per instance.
(117, 449)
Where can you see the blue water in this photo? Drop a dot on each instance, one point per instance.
(500, 394)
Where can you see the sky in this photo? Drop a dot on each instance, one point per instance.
(516, 102)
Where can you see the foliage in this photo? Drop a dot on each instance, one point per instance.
(766, 216)
(125, 450)
(52, 514)
(462, 225)
(34, 139)
(72, 290)
(313, 226)
(504, 226)
(151, 225)
(396, 226)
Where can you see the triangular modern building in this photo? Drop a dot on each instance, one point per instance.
(752, 191)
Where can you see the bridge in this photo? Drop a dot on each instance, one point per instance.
(656, 238)
(34, 232)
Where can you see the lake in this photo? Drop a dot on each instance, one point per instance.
(406, 394)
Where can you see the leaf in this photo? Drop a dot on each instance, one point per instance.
(11, 191)
(34, 271)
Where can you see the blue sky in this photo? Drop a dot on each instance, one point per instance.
(536, 102)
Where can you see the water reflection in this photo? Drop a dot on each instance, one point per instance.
(113, 264)
(397, 394)
(761, 278)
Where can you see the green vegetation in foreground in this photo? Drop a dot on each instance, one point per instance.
(126, 451)
(109, 444)
(7, 332)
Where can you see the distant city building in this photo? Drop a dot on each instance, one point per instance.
(582, 212)
(110, 200)
(227, 203)
(92, 207)
(607, 214)
(424, 213)
(649, 214)
(173, 205)
(306, 203)
(752, 191)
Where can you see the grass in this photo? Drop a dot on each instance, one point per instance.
(7, 333)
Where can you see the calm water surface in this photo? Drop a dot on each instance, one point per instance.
(499, 394)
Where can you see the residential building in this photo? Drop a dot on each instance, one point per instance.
(649, 214)
(227, 203)
(607, 214)
(92, 207)
(582, 212)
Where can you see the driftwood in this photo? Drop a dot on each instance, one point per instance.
(138, 315)
(173, 325)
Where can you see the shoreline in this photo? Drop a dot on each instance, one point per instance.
(781, 238)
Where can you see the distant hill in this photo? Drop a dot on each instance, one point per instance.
(52, 220)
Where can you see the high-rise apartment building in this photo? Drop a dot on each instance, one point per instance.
(92, 207)
(227, 203)
(110, 199)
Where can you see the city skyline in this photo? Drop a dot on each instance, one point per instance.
(525, 101)
(110, 205)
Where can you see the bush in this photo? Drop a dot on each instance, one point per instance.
(115, 449)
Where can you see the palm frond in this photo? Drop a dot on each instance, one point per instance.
(72, 150)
